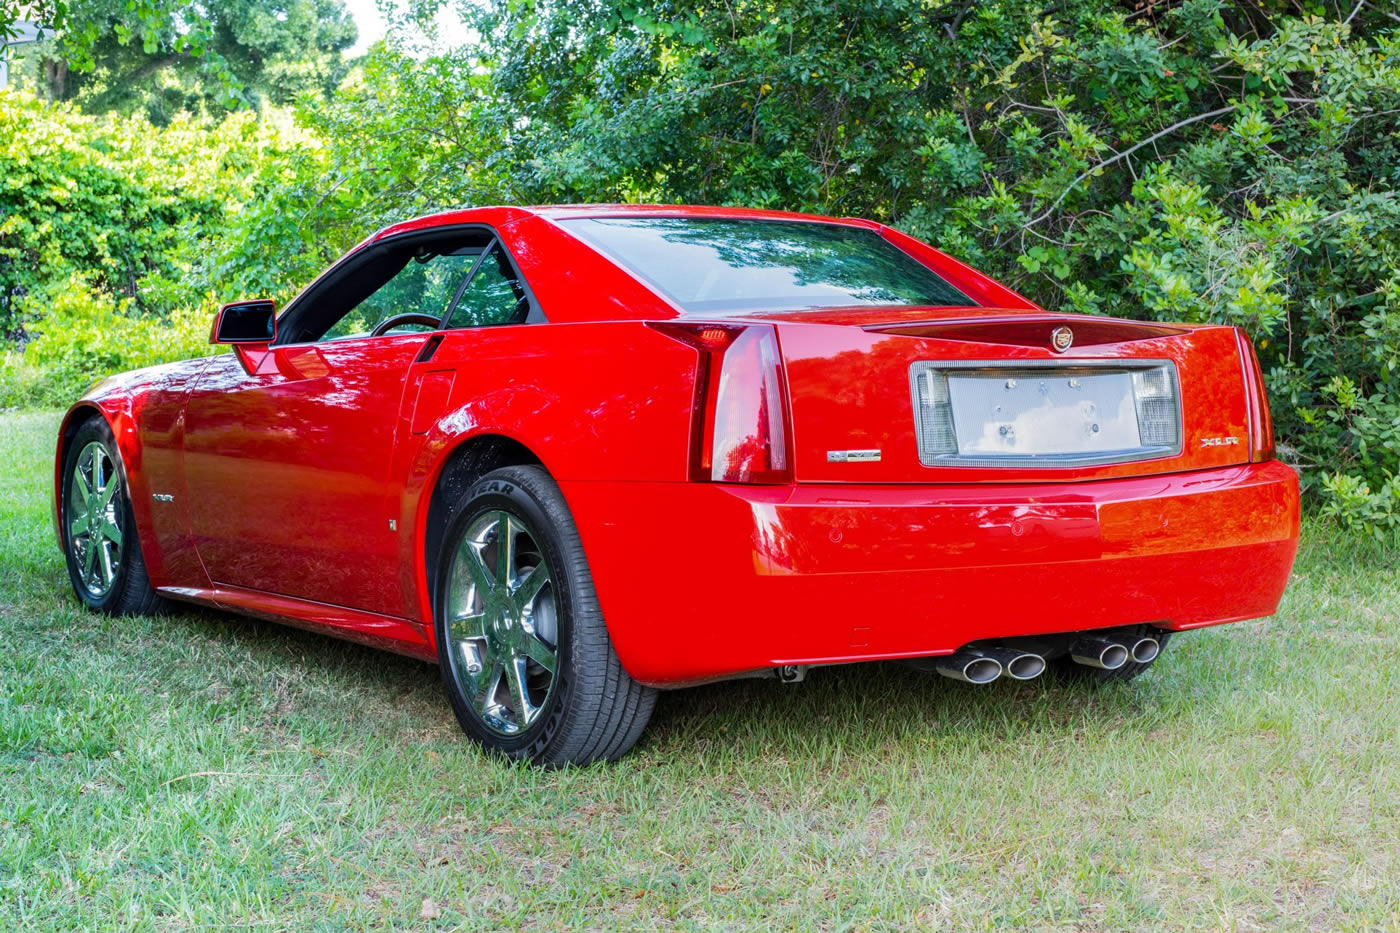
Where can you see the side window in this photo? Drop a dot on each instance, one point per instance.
(425, 284)
(493, 296)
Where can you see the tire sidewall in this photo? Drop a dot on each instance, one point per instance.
(493, 493)
(97, 430)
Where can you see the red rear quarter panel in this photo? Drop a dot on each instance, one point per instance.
(606, 402)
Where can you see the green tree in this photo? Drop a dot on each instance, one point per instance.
(1199, 160)
(161, 58)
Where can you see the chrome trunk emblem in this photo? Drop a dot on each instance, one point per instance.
(1061, 338)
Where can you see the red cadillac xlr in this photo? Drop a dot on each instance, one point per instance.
(577, 454)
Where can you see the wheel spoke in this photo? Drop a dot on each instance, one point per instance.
(505, 549)
(89, 558)
(104, 495)
(468, 625)
(77, 527)
(515, 673)
(81, 483)
(111, 532)
(471, 558)
(540, 653)
(532, 584)
(486, 683)
(107, 569)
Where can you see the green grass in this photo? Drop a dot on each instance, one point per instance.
(202, 770)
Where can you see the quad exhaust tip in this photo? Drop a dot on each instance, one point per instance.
(1101, 653)
(1017, 664)
(1146, 650)
(984, 665)
(970, 665)
(1025, 666)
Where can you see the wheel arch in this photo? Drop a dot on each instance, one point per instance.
(458, 468)
(73, 421)
(116, 408)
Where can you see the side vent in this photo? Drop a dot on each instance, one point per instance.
(429, 349)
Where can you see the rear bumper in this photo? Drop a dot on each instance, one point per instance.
(700, 581)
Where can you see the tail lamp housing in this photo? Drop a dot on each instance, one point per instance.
(1261, 422)
(740, 429)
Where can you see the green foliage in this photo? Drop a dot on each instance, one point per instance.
(162, 57)
(1199, 161)
(84, 333)
(119, 238)
(162, 216)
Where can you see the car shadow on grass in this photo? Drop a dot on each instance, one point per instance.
(856, 706)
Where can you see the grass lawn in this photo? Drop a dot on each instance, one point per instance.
(203, 770)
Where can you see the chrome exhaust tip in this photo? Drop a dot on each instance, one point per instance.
(1146, 650)
(1098, 652)
(1017, 664)
(1025, 666)
(969, 665)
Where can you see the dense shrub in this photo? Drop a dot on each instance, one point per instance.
(83, 333)
(163, 216)
(1199, 161)
(1195, 160)
(118, 238)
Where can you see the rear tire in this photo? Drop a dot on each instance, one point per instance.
(525, 655)
(1067, 668)
(100, 541)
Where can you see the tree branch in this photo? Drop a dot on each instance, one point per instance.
(1127, 152)
(1374, 7)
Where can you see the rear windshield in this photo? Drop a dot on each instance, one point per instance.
(726, 265)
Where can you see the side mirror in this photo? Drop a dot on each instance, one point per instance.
(246, 322)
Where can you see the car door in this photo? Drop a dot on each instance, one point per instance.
(287, 467)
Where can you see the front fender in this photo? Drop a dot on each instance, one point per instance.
(127, 403)
(106, 400)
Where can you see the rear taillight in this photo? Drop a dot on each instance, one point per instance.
(739, 428)
(1261, 423)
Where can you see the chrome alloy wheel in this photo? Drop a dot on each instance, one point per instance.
(95, 518)
(502, 623)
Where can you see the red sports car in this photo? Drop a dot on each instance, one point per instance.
(577, 454)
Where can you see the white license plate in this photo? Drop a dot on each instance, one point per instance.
(1032, 414)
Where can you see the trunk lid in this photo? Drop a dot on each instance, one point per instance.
(957, 395)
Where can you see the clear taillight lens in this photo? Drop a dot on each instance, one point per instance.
(739, 427)
(1158, 411)
(935, 416)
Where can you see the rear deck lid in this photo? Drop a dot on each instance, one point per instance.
(1003, 397)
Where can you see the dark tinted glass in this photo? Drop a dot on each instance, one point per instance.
(424, 285)
(727, 265)
(249, 322)
(493, 296)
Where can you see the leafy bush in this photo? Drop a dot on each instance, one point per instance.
(1199, 161)
(163, 216)
(118, 239)
(85, 333)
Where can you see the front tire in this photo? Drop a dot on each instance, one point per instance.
(99, 531)
(525, 655)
